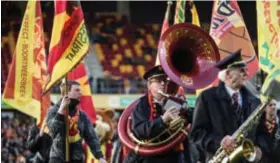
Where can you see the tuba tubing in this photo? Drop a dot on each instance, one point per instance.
(124, 128)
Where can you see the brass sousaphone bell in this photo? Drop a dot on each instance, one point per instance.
(188, 56)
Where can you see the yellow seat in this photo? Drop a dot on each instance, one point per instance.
(141, 70)
(148, 58)
(122, 68)
(140, 42)
(114, 63)
(106, 73)
(150, 40)
(136, 46)
(115, 47)
(119, 31)
(118, 57)
(139, 52)
(128, 53)
(129, 69)
(123, 41)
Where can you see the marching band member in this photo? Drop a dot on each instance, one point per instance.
(221, 110)
(149, 119)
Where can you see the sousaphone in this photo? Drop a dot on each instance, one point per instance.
(188, 56)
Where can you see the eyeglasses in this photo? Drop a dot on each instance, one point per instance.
(159, 80)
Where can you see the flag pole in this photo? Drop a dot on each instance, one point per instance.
(64, 92)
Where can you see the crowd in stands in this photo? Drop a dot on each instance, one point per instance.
(14, 132)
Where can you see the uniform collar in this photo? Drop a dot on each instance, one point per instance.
(160, 102)
(231, 91)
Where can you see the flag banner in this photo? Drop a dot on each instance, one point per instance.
(230, 33)
(69, 41)
(28, 71)
(195, 17)
(268, 18)
(89, 158)
(79, 74)
(165, 26)
(180, 12)
(271, 85)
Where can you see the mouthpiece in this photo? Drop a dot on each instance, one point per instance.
(179, 100)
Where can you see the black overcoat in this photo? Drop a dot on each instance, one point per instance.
(39, 145)
(215, 118)
(272, 144)
(144, 128)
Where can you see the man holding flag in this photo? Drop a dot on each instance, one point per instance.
(69, 45)
(80, 128)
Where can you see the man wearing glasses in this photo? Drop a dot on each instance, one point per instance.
(149, 119)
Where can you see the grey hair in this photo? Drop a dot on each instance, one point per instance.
(222, 75)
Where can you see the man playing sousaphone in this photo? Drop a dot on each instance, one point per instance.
(150, 118)
(221, 110)
(155, 126)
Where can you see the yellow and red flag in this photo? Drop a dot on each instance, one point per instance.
(69, 42)
(268, 16)
(28, 71)
(79, 74)
(89, 158)
(230, 33)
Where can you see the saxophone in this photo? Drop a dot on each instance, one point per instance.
(243, 147)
